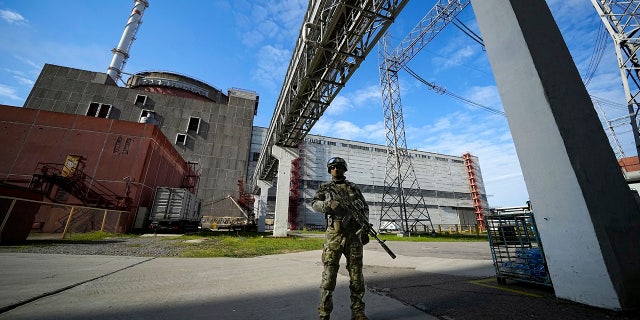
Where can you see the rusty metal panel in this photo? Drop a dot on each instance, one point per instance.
(54, 119)
(132, 169)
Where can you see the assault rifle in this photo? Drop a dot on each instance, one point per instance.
(356, 210)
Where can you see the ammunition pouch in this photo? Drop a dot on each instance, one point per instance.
(364, 237)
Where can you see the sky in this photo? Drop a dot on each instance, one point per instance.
(248, 44)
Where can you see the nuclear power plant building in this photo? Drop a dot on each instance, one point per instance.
(210, 129)
(444, 180)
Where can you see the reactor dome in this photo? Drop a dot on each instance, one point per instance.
(171, 83)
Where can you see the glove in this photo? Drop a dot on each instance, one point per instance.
(332, 206)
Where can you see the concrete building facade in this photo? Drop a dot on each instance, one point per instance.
(206, 126)
(443, 179)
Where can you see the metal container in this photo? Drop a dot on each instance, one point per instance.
(175, 209)
(516, 248)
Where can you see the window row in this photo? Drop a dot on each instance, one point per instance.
(314, 184)
(381, 150)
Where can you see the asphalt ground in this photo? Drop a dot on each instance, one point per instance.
(437, 280)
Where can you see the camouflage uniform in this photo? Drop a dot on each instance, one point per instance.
(342, 238)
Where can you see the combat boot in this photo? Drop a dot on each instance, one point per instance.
(324, 317)
(359, 316)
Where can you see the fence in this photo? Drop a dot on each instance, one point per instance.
(46, 217)
(470, 229)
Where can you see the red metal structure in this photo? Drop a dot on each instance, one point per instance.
(294, 194)
(475, 193)
(118, 164)
(58, 181)
(245, 200)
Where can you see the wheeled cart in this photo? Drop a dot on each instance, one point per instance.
(516, 249)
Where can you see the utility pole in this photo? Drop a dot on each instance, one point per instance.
(403, 205)
(620, 18)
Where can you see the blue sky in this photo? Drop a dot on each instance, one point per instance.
(248, 45)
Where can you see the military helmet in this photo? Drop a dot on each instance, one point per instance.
(336, 162)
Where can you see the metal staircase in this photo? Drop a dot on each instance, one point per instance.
(77, 184)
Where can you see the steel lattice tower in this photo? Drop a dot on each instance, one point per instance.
(620, 18)
(403, 205)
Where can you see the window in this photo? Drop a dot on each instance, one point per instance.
(141, 100)
(181, 139)
(125, 148)
(116, 147)
(148, 116)
(194, 124)
(93, 109)
(99, 110)
(127, 144)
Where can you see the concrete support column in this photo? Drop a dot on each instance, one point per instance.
(260, 206)
(284, 156)
(588, 220)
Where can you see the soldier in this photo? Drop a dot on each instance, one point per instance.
(344, 236)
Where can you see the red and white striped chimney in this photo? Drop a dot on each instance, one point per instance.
(121, 52)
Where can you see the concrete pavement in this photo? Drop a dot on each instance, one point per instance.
(42, 286)
(436, 280)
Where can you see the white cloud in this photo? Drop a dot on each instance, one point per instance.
(9, 92)
(269, 21)
(370, 133)
(322, 127)
(269, 26)
(346, 130)
(28, 62)
(485, 95)
(375, 133)
(338, 106)
(24, 81)
(459, 57)
(367, 96)
(12, 17)
(362, 98)
(288, 14)
(272, 66)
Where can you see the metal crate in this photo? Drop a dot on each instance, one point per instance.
(516, 249)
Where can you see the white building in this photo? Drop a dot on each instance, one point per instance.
(443, 179)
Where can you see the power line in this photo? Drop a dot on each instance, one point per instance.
(441, 90)
(609, 103)
(596, 56)
(444, 91)
(474, 36)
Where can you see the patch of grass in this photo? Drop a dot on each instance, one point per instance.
(243, 245)
(94, 236)
(248, 244)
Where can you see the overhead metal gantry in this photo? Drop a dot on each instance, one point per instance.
(334, 40)
(403, 206)
(622, 21)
